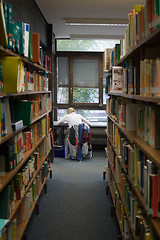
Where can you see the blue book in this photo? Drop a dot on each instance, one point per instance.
(4, 130)
(3, 223)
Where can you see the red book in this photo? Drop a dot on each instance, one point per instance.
(36, 47)
(154, 197)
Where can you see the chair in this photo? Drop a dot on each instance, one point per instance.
(78, 142)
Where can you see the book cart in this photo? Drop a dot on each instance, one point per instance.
(133, 136)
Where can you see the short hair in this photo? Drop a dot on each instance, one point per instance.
(70, 110)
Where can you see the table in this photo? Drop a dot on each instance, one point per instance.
(64, 126)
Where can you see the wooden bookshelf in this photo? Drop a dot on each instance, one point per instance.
(130, 135)
(9, 175)
(136, 97)
(146, 48)
(18, 202)
(153, 154)
(154, 222)
(26, 93)
(150, 40)
(8, 52)
(43, 145)
(41, 116)
(120, 194)
(22, 227)
(10, 135)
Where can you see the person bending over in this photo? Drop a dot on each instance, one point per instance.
(72, 118)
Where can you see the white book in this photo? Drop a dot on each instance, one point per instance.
(26, 38)
(7, 116)
(131, 117)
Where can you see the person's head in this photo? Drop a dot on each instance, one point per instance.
(70, 110)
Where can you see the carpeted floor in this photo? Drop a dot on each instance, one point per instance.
(75, 206)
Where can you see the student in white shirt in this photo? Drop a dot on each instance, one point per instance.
(72, 118)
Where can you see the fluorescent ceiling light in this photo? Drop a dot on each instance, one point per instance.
(96, 22)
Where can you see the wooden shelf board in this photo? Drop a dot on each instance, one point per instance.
(130, 135)
(26, 93)
(41, 116)
(2, 95)
(150, 152)
(9, 175)
(21, 227)
(9, 52)
(10, 135)
(150, 39)
(153, 154)
(137, 97)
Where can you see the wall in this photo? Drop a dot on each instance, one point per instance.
(28, 11)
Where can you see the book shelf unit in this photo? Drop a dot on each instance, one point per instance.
(138, 54)
(42, 140)
(155, 223)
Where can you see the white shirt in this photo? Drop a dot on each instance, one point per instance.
(73, 119)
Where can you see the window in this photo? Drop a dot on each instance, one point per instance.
(86, 45)
(62, 80)
(79, 83)
(85, 80)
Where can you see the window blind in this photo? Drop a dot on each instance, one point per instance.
(85, 73)
(63, 72)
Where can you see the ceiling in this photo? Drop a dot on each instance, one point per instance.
(55, 12)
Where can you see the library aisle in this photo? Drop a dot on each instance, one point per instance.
(75, 206)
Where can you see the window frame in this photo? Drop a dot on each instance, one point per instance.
(79, 55)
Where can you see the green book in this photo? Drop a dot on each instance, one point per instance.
(10, 34)
(1, 78)
(21, 39)
(23, 111)
(30, 53)
(5, 202)
(16, 35)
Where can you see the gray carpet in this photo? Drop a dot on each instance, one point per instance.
(75, 206)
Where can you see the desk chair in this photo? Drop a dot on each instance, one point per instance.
(78, 142)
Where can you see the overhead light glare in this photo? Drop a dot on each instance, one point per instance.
(98, 24)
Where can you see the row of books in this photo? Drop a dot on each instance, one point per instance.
(150, 77)
(125, 113)
(18, 79)
(143, 20)
(107, 59)
(143, 119)
(141, 170)
(125, 200)
(116, 80)
(110, 57)
(148, 118)
(28, 110)
(35, 81)
(15, 190)
(122, 79)
(24, 211)
(13, 152)
(19, 37)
